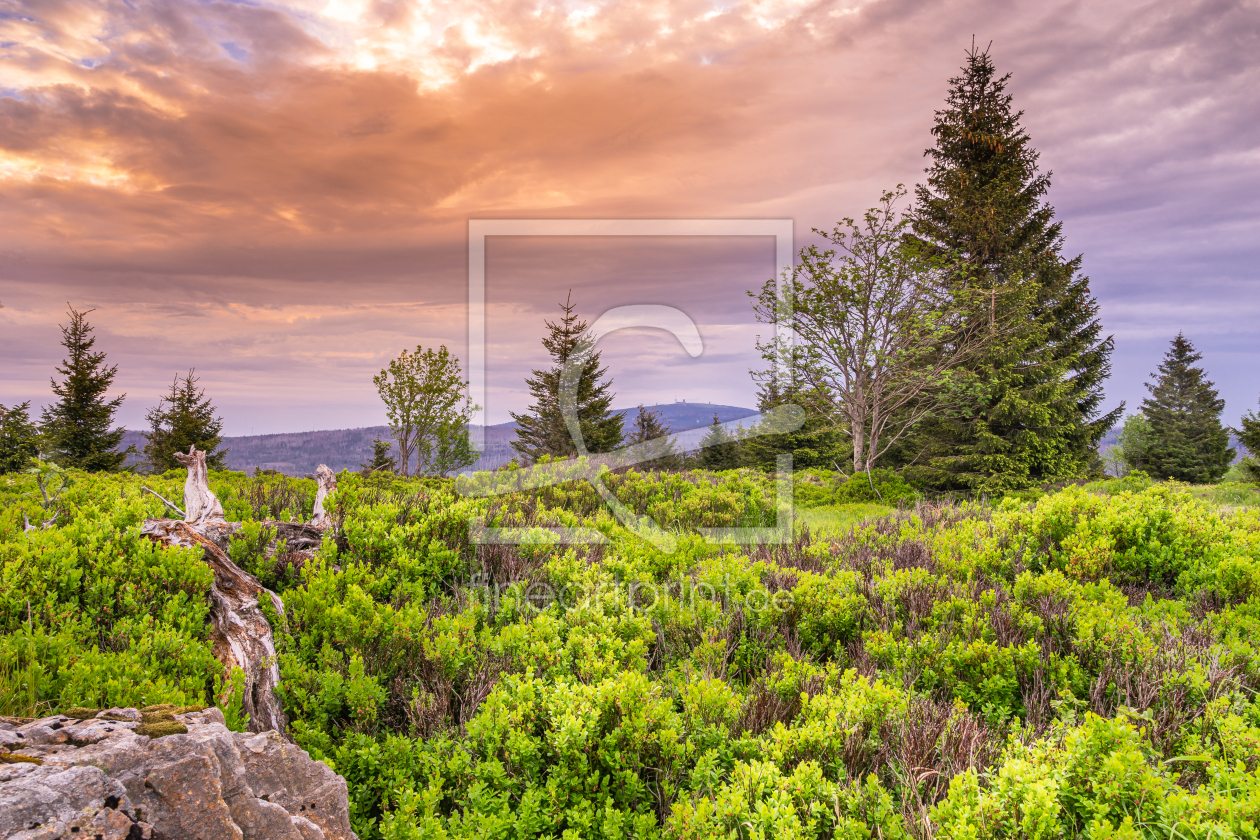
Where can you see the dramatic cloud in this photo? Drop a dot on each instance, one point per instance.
(278, 194)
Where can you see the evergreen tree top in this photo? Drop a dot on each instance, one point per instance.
(542, 429)
(86, 376)
(983, 196)
(565, 337)
(1179, 386)
(184, 417)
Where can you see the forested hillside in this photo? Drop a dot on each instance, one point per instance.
(299, 453)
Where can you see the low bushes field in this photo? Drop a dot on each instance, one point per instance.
(1079, 664)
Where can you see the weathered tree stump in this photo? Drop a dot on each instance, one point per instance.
(327, 486)
(241, 634)
(201, 506)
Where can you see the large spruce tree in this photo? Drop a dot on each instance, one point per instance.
(542, 429)
(984, 207)
(1187, 440)
(183, 418)
(77, 426)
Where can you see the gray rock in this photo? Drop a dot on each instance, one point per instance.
(98, 778)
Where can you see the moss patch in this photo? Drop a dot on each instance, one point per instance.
(161, 728)
(14, 758)
(80, 713)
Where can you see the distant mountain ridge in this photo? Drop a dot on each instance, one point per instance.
(299, 453)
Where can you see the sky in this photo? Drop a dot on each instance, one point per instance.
(278, 194)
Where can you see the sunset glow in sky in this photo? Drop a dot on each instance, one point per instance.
(278, 193)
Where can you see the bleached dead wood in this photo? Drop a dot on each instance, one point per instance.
(327, 486)
(201, 506)
(241, 634)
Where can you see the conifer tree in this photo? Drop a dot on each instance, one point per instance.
(77, 426)
(381, 460)
(542, 430)
(818, 443)
(719, 450)
(650, 428)
(1249, 436)
(183, 418)
(19, 438)
(1187, 441)
(984, 207)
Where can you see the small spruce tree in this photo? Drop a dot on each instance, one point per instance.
(818, 443)
(19, 438)
(719, 450)
(77, 426)
(382, 461)
(183, 418)
(1249, 437)
(542, 429)
(649, 428)
(1187, 441)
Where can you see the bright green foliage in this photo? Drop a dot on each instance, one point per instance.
(576, 370)
(426, 401)
(183, 418)
(111, 618)
(77, 426)
(19, 438)
(984, 202)
(817, 488)
(1085, 665)
(230, 698)
(1134, 446)
(1186, 441)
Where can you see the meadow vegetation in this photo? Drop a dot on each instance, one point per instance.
(1074, 663)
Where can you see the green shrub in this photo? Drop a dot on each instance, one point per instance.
(1080, 663)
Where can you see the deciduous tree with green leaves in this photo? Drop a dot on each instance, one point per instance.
(882, 340)
(542, 429)
(426, 401)
(1037, 417)
(19, 438)
(1134, 445)
(1187, 441)
(182, 418)
(77, 426)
